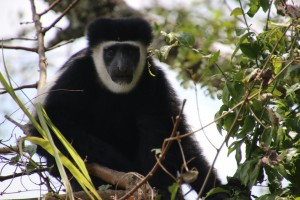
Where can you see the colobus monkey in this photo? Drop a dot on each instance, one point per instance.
(114, 112)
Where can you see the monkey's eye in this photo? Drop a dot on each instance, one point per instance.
(132, 53)
(109, 53)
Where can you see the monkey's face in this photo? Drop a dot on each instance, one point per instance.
(119, 64)
(121, 61)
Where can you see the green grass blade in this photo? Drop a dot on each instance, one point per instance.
(85, 184)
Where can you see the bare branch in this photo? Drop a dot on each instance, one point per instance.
(19, 48)
(24, 128)
(108, 175)
(41, 46)
(105, 195)
(8, 149)
(12, 39)
(120, 179)
(61, 16)
(30, 86)
(59, 45)
(50, 7)
(15, 175)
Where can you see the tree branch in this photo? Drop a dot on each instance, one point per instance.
(105, 195)
(19, 48)
(50, 7)
(24, 128)
(59, 45)
(8, 150)
(61, 16)
(18, 38)
(30, 86)
(41, 46)
(15, 175)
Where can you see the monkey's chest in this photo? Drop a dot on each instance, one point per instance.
(115, 126)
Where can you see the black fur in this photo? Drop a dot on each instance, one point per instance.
(132, 29)
(120, 130)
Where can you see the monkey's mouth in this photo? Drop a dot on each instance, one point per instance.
(122, 79)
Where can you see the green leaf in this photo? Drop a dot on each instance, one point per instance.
(105, 187)
(82, 180)
(266, 137)
(216, 191)
(165, 50)
(277, 63)
(242, 39)
(251, 49)
(220, 123)
(268, 197)
(237, 11)
(257, 106)
(31, 149)
(233, 146)
(236, 90)
(225, 95)
(48, 138)
(276, 92)
(293, 88)
(236, 146)
(238, 155)
(265, 4)
(254, 7)
(79, 162)
(170, 37)
(149, 70)
(156, 151)
(239, 31)
(254, 175)
(173, 189)
(47, 143)
(248, 126)
(248, 172)
(274, 178)
(185, 39)
(279, 136)
(228, 121)
(14, 160)
(212, 58)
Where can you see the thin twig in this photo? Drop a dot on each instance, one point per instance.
(244, 16)
(268, 17)
(21, 126)
(8, 149)
(61, 16)
(50, 7)
(223, 143)
(15, 175)
(18, 38)
(59, 45)
(30, 86)
(19, 48)
(199, 118)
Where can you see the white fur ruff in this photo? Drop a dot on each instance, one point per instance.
(105, 77)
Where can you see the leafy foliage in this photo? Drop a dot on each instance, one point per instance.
(191, 47)
(260, 94)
